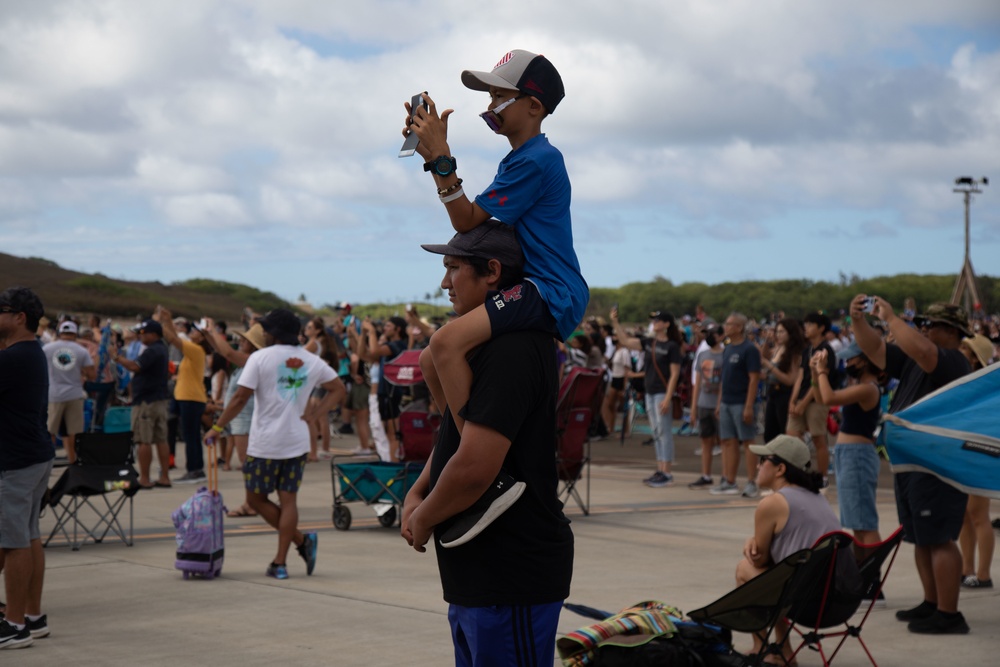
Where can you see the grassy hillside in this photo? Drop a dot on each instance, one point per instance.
(62, 290)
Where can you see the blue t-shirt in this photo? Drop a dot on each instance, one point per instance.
(531, 192)
(738, 361)
(24, 407)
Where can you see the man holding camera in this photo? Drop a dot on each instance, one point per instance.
(930, 510)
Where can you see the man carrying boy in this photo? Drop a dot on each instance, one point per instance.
(505, 588)
(531, 192)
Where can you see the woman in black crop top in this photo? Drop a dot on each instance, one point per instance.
(856, 462)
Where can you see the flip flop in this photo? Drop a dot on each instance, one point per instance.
(160, 485)
(147, 486)
(242, 511)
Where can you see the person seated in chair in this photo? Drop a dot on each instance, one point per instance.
(788, 520)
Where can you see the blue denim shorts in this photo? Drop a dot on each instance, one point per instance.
(732, 426)
(856, 466)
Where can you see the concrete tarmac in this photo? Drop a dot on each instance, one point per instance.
(374, 601)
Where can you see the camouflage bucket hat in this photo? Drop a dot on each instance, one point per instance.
(946, 313)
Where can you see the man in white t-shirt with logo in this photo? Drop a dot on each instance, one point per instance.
(70, 364)
(281, 377)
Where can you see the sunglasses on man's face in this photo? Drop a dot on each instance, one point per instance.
(7, 309)
(492, 117)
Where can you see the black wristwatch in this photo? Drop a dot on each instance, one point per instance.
(442, 166)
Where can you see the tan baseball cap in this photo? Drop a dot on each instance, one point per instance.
(789, 448)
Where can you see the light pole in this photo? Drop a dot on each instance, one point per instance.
(965, 284)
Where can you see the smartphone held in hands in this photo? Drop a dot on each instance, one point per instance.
(868, 305)
(409, 146)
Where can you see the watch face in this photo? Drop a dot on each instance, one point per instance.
(443, 167)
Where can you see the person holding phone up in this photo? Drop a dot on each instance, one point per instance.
(531, 192)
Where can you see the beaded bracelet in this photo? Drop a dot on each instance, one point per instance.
(451, 188)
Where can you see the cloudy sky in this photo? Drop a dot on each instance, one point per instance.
(255, 141)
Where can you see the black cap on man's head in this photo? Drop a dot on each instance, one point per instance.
(151, 326)
(283, 324)
(490, 240)
(525, 72)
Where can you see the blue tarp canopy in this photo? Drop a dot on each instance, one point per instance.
(953, 433)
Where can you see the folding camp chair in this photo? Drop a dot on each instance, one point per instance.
(760, 604)
(580, 398)
(839, 603)
(104, 468)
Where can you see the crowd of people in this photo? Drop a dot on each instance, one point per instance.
(808, 381)
(265, 395)
(812, 379)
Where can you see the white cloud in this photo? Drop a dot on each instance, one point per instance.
(209, 211)
(718, 120)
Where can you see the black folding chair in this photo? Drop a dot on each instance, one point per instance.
(103, 469)
(761, 603)
(842, 596)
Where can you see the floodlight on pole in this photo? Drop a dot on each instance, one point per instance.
(965, 284)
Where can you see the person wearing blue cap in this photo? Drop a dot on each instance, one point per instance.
(856, 464)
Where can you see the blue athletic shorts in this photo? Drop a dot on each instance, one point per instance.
(856, 466)
(732, 426)
(504, 635)
(267, 475)
(520, 308)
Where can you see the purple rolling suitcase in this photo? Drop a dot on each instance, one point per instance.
(199, 529)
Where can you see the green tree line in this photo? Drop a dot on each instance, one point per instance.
(759, 299)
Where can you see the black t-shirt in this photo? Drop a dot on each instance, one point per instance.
(914, 383)
(526, 555)
(149, 383)
(738, 361)
(665, 353)
(831, 367)
(24, 407)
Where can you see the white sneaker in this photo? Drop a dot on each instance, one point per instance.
(750, 490)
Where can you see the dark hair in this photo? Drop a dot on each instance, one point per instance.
(219, 363)
(222, 325)
(23, 300)
(673, 331)
(819, 319)
(509, 275)
(586, 344)
(807, 479)
(399, 323)
(331, 349)
(796, 342)
(880, 375)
